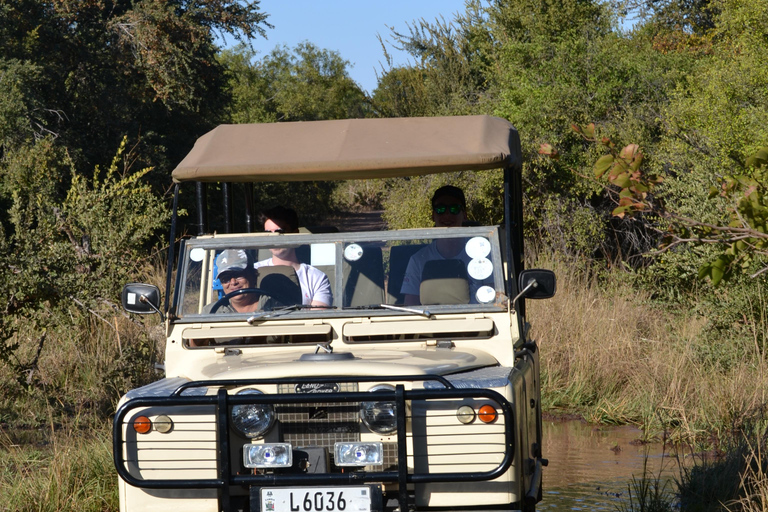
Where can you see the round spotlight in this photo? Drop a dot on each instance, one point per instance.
(253, 420)
(163, 424)
(379, 417)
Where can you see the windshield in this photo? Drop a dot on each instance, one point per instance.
(227, 276)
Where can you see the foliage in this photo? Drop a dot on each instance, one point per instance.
(360, 194)
(742, 241)
(734, 481)
(542, 65)
(304, 84)
(73, 473)
(407, 204)
(453, 70)
(612, 354)
(91, 72)
(648, 492)
(65, 255)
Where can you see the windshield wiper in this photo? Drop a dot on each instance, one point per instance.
(281, 311)
(422, 312)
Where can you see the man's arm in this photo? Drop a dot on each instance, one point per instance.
(321, 288)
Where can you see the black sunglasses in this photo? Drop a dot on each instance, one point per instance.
(455, 209)
(278, 230)
(228, 275)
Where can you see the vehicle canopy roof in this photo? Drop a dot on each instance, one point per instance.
(350, 149)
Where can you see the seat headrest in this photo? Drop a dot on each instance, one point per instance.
(281, 283)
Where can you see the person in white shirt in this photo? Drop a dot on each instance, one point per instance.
(448, 210)
(315, 286)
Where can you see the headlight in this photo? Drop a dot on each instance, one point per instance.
(253, 420)
(380, 417)
(271, 455)
(358, 454)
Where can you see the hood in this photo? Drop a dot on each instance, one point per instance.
(357, 362)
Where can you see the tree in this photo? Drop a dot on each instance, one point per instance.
(97, 70)
(453, 71)
(64, 257)
(303, 84)
(741, 241)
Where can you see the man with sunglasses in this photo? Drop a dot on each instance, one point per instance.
(315, 286)
(448, 210)
(235, 272)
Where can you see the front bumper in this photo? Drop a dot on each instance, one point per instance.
(431, 450)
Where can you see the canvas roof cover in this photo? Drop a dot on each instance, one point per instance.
(350, 149)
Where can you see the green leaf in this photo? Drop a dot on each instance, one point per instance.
(603, 164)
(716, 274)
(622, 180)
(758, 159)
(620, 211)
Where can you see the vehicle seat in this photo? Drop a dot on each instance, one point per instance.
(444, 282)
(399, 257)
(281, 283)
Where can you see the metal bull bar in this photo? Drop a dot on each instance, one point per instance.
(223, 401)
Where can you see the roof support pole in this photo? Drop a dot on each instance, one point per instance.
(250, 218)
(513, 225)
(226, 190)
(201, 198)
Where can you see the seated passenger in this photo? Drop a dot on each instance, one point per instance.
(315, 287)
(235, 273)
(448, 210)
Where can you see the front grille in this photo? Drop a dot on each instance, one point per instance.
(322, 424)
(319, 424)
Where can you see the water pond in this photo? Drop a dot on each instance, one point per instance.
(591, 466)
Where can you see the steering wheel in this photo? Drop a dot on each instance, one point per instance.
(241, 291)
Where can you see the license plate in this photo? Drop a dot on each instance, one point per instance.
(316, 499)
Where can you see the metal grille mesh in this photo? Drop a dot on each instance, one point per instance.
(319, 423)
(324, 423)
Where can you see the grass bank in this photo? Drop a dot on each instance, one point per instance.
(71, 472)
(613, 356)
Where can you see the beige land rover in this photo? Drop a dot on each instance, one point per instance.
(365, 404)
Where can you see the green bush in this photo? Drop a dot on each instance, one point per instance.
(72, 243)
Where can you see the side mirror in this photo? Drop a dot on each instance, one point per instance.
(141, 298)
(537, 283)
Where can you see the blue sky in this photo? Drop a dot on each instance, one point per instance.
(349, 27)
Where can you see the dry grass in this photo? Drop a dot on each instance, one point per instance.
(70, 378)
(611, 355)
(72, 473)
(754, 480)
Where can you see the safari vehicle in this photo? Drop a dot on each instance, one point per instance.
(367, 404)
